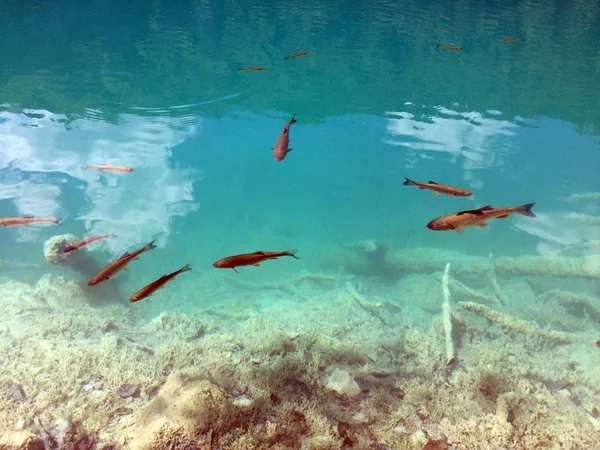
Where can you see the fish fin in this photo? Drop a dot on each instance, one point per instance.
(432, 182)
(477, 212)
(294, 118)
(235, 270)
(125, 268)
(28, 216)
(149, 246)
(135, 259)
(86, 167)
(185, 268)
(256, 265)
(436, 193)
(239, 68)
(260, 252)
(285, 58)
(503, 216)
(409, 182)
(483, 225)
(290, 149)
(526, 210)
(459, 230)
(291, 253)
(162, 287)
(125, 255)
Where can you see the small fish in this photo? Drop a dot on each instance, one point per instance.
(251, 68)
(251, 259)
(511, 39)
(295, 55)
(35, 7)
(107, 168)
(25, 221)
(477, 217)
(281, 147)
(120, 264)
(147, 291)
(444, 30)
(85, 242)
(439, 188)
(449, 47)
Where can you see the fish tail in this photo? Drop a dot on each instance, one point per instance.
(438, 46)
(293, 118)
(185, 268)
(409, 182)
(239, 68)
(285, 57)
(86, 167)
(149, 246)
(291, 253)
(526, 210)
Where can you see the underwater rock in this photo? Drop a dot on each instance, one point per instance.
(186, 405)
(20, 440)
(54, 249)
(343, 383)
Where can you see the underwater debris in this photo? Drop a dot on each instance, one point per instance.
(446, 316)
(521, 326)
(129, 390)
(16, 392)
(343, 383)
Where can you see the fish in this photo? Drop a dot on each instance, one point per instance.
(251, 68)
(120, 264)
(281, 147)
(295, 55)
(26, 221)
(477, 217)
(107, 168)
(449, 47)
(251, 259)
(439, 188)
(85, 242)
(444, 30)
(511, 39)
(150, 289)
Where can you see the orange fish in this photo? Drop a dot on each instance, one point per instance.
(25, 221)
(449, 47)
(147, 291)
(477, 217)
(251, 68)
(295, 55)
(120, 264)
(85, 242)
(107, 168)
(511, 39)
(283, 141)
(439, 188)
(251, 259)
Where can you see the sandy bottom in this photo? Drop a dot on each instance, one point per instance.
(319, 362)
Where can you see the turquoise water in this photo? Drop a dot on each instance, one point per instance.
(155, 86)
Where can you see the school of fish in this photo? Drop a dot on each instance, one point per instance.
(457, 221)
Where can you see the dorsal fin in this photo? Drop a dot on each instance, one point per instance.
(258, 253)
(126, 254)
(477, 212)
(432, 182)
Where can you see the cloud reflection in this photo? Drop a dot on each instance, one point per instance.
(470, 138)
(39, 148)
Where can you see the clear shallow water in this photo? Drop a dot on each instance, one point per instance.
(155, 86)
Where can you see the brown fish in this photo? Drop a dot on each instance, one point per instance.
(281, 147)
(250, 259)
(25, 221)
(85, 242)
(449, 47)
(511, 39)
(295, 55)
(477, 217)
(439, 188)
(251, 68)
(120, 264)
(147, 291)
(107, 168)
